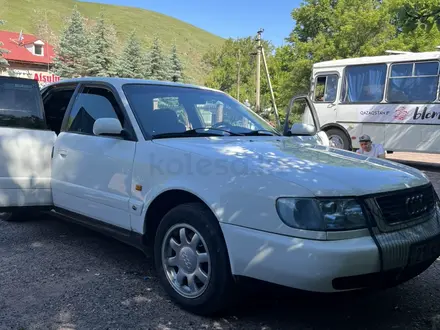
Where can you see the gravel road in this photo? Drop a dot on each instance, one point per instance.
(57, 275)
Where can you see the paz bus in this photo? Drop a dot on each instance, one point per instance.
(393, 98)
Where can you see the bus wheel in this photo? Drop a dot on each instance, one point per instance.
(338, 139)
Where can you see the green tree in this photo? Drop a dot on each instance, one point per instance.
(410, 14)
(417, 23)
(3, 62)
(280, 68)
(131, 63)
(102, 56)
(224, 64)
(147, 65)
(159, 65)
(328, 30)
(73, 49)
(176, 68)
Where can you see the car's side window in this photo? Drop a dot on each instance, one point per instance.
(91, 104)
(56, 102)
(20, 104)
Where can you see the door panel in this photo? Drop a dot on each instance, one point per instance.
(325, 96)
(25, 145)
(25, 167)
(92, 174)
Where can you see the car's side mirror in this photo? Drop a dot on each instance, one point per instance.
(302, 129)
(108, 127)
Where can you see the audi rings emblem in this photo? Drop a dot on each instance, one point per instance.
(415, 205)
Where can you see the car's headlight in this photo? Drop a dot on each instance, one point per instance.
(321, 215)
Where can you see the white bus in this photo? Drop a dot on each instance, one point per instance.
(392, 98)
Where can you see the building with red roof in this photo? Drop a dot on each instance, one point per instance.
(28, 57)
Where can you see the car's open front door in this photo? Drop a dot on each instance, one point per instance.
(25, 146)
(302, 121)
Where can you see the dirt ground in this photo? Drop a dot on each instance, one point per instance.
(56, 275)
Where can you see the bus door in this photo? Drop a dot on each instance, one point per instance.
(324, 95)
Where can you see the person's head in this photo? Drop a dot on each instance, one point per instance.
(365, 142)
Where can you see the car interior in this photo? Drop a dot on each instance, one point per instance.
(55, 105)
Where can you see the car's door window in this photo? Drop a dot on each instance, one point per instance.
(56, 102)
(91, 104)
(20, 104)
(300, 113)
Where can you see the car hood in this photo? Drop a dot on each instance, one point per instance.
(324, 171)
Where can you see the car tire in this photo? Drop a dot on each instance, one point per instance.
(182, 276)
(337, 136)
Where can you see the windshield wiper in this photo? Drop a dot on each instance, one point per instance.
(260, 132)
(195, 132)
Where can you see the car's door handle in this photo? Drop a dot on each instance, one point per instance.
(62, 152)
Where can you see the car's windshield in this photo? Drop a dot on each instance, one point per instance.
(171, 110)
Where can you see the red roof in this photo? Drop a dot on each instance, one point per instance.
(18, 51)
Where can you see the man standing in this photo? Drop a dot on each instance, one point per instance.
(370, 149)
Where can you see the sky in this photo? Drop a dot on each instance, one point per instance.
(226, 18)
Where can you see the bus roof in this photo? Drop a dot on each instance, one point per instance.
(380, 59)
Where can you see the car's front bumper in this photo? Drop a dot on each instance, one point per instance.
(328, 266)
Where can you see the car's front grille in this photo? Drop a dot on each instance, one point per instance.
(407, 204)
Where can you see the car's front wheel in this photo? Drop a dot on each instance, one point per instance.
(191, 259)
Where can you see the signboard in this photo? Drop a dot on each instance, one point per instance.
(399, 114)
(46, 77)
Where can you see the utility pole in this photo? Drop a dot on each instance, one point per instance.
(238, 76)
(257, 102)
(277, 117)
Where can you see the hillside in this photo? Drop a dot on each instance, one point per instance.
(192, 42)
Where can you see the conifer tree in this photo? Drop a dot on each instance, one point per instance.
(176, 67)
(159, 64)
(102, 59)
(73, 50)
(131, 63)
(3, 62)
(147, 65)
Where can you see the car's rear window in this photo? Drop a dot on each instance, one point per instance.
(20, 104)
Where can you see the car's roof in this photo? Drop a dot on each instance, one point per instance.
(119, 82)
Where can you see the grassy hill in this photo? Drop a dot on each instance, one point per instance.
(192, 42)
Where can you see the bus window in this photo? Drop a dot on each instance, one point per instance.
(364, 83)
(413, 82)
(326, 87)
